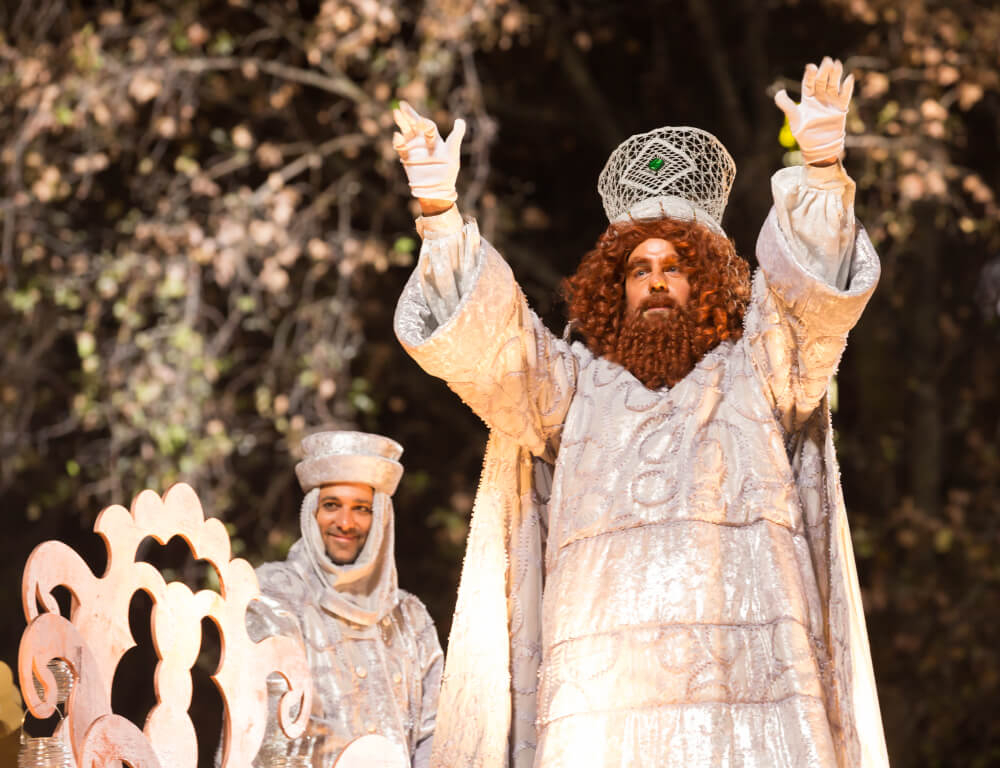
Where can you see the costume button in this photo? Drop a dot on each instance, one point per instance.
(397, 678)
(371, 728)
(386, 621)
(361, 671)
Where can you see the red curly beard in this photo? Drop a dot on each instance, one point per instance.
(657, 348)
(663, 348)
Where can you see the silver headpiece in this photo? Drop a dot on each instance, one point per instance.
(680, 172)
(350, 457)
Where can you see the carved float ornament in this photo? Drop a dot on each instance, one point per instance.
(95, 636)
(372, 751)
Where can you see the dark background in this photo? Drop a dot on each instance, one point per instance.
(168, 314)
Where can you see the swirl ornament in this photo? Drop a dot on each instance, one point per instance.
(95, 636)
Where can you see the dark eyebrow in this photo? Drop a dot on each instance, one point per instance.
(647, 261)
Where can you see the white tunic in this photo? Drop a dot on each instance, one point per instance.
(696, 610)
(380, 677)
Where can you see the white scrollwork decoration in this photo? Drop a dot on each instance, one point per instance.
(96, 636)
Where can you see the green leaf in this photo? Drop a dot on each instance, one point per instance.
(86, 344)
(363, 402)
(404, 245)
(223, 44)
(23, 301)
(246, 304)
(888, 112)
(943, 540)
(186, 165)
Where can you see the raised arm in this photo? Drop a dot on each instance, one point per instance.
(817, 266)
(462, 316)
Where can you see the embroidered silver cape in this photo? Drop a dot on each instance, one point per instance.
(656, 578)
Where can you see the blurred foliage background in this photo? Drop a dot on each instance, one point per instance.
(204, 229)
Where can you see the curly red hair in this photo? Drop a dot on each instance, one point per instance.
(719, 280)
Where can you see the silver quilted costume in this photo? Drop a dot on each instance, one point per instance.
(372, 648)
(698, 604)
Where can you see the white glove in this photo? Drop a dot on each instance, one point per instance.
(431, 164)
(818, 123)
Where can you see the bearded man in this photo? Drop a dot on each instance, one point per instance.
(659, 570)
(372, 648)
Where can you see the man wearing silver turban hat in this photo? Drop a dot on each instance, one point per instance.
(373, 649)
(659, 570)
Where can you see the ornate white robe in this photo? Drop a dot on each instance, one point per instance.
(700, 605)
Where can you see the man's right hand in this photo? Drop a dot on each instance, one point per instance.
(819, 122)
(431, 164)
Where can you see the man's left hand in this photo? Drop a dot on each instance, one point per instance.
(818, 123)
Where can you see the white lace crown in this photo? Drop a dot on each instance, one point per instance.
(681, 172)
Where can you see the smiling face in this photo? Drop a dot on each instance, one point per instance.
(652, 272)
(344, 516)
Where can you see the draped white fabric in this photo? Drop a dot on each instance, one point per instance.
(361, 592)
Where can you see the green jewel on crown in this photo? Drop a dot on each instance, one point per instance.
(656, 164)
